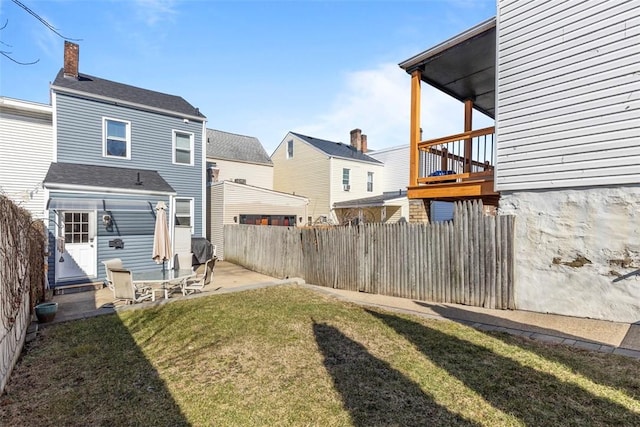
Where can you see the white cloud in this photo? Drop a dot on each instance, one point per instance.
(155, 11)
(378, 102)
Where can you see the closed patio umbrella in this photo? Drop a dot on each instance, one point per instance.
(161, 240)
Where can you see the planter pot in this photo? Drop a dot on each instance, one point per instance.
(46, 311)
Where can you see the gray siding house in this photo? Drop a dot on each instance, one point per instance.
(118, 151)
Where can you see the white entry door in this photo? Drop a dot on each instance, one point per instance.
(76, 249)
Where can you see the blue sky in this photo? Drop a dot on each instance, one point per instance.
(258, 68)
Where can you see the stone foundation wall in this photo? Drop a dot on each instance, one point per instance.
(577, 251)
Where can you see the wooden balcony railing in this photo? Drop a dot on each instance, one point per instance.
(456, 167)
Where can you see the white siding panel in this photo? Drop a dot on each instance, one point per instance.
(231, 200)
(396, 168)
(568, 94)
(26, 150)
(357, 178)
(597, 49)
(258, 175)
(558, 29)
(538, 108)
(306, 174)
(216, 217)
(599, 69)
(555, 153)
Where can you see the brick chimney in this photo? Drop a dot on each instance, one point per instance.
(356, 139)
(364, 143)
(71, 60)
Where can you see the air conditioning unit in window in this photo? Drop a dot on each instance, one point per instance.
(346, 187)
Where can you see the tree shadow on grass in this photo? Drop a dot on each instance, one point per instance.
(88, 372)
(536, 398)
(622, 374)
(372, 391)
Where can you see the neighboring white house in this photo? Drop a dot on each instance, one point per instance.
(239, 158)
(233, 203)
(565, 90)
(393, 205)
(326, 172)
(568, 161)
(26, 150)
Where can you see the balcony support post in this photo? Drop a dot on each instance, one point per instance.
(414, 134)
(468, 126)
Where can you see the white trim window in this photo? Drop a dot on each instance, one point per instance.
(116, 138)
(369, 182)
(183, 208)
(345, 179)
(182, 148)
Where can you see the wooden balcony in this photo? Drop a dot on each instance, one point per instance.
(456, 167)
(451, 168)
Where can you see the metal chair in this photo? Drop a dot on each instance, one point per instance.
(197, 283)
(108, 265)
(124, 289)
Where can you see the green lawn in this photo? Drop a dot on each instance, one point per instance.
(289, 356)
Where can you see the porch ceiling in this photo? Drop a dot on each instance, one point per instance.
(462, 67)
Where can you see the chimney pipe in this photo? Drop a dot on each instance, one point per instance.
(364, 143)
(71, 59)
(356, 139)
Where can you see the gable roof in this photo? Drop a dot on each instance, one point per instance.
(336, 149)
(230, 146)
(139, 180)
(132, 95)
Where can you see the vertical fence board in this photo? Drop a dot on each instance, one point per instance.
(469, 260)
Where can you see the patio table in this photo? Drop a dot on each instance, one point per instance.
(161, 280)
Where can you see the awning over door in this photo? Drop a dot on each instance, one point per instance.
(99, 204)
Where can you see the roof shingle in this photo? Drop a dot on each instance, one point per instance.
(132, 94)
(337, 149)
(230, 146)
(107, 177)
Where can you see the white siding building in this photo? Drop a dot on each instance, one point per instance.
(26, 150)
(562, 81)
(232, 203)
(396, 178)
(568, 161)
(326, 172)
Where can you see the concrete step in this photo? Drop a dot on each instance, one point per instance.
(80, 287)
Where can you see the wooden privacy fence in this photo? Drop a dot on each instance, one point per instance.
(466, 261)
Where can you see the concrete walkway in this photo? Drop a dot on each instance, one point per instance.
(590, 334)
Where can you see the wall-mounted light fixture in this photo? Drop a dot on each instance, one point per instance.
(106, 220)
(299, 219)
(235, 219)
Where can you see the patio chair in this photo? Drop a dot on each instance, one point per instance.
(108, 265)
(124, 289)
(196, 284)
(183, 261)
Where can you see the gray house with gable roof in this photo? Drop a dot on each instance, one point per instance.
(118, 150)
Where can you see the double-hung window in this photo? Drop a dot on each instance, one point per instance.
(182, 148)
(369, 182)
(116, 141)
(184, 213)
(346, 185)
